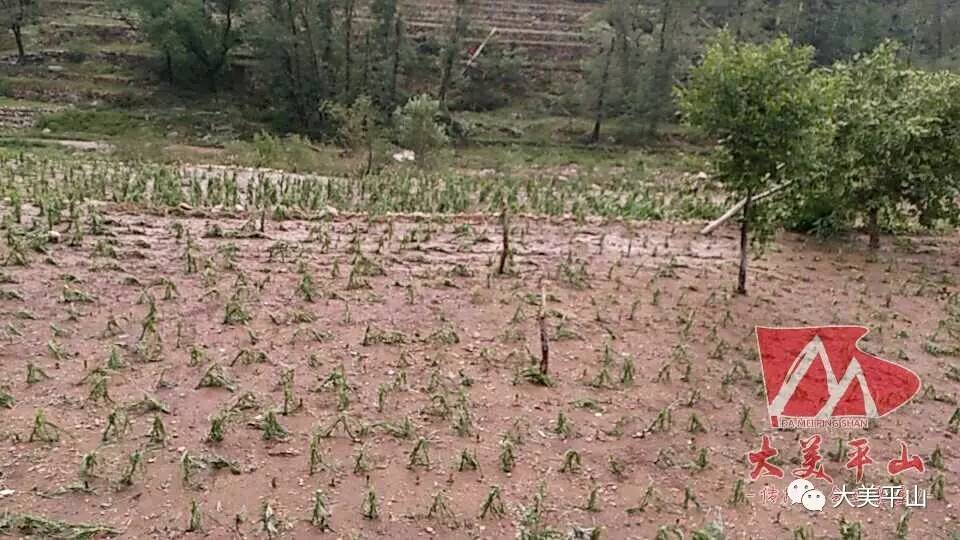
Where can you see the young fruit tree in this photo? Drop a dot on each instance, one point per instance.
(896, 148)
(763, 104)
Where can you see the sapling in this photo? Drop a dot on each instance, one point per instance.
(689, 497)
(936, 458)
(954, 424)
(290, 403)
(401, 430)
(493, 504)
(850, 531)
(370, 509)
(903, 526)
(463, 424)
(196, 517)
(745, 423)
(571, 461)
(603, 378)
(158, 433)
(628, 372)
(563, 427)
(88, 465)
(235, 312)
(440, 508)
(217, 425)
(307, 288)
(269, 520)
(617, 467)
(134, 463)
(696, 426)
(361, 465)
(316, 454)
(662, 422)
(701, 460)
(321, 514)
(738, 497)
(189, 465)
(6, 398)
(468, 461)
(44, 430)
(99, 391)
(272, 430)
(216, 377)
(593, 500)
(937, 487)
(345, 422)
(508, 456)
(149, 404)
(115, 360)
(35, 374)
(419, 455)
(117, 424)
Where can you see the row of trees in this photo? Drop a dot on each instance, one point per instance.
(303, 55)
(868, 141)
(645, 47)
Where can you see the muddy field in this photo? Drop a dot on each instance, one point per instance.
(198, 374)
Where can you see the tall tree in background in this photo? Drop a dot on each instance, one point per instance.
(387, 42)
(452, 50)
(611, 74)
(203, 31)
(601, 92)
(15, 14)
(348, 13)
(762, 104)
(654, 104)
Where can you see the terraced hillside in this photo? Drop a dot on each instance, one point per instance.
(546, 30)
(551, 31)
(83, 52)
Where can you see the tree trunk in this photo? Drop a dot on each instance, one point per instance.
(394, 73)
(744, 245)
(601, 94)
(366, 61)
(168, 61)
(665, 12)
(347, 46)
(739, 31)
(369, 136)
(873, 228)
(938, 28)
(18, 36)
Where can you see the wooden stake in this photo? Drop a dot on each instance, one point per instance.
(544, 342)
(505, 253)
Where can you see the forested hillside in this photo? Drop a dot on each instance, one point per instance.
(619, 58)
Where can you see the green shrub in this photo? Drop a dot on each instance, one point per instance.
(417, 128)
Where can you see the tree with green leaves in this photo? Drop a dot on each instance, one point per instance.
(492, 80)
(452, 50)
(418, 129)
(358, 127)
(762, 103)
(387, 38)
(15, 14)
(205, 32)
(896, 150)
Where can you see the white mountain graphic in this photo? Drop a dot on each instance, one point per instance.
(835, 389)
